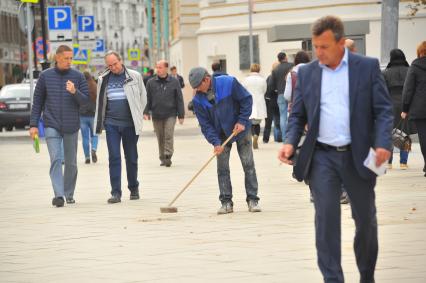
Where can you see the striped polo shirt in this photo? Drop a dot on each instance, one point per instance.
(117, 110)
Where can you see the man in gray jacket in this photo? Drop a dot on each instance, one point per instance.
(165, 102)
(120, 100)
(59, 93)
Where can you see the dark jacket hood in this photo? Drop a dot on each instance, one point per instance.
(420, 63)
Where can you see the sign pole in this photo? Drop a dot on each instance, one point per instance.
(30, 54)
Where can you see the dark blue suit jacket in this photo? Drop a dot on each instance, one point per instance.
(370, 113)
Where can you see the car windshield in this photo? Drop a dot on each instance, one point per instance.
(15, 91)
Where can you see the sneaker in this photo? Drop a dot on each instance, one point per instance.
(253, 206)
(255, 142)
(389, 166)
(70, 200)
(226, 208)
(94, 156)
(87, 160)
(58, 201)
(134, 195)
(114, 199)
(344, 199)
(403, 166)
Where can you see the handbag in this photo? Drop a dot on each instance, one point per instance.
(400, 137)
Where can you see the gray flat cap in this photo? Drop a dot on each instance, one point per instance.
(196, 76)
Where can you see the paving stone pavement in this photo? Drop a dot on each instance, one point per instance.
(92, 241)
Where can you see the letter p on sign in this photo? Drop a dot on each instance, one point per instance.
(60, 16)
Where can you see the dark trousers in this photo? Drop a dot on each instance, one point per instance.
(244, 148)
(114, 136)
(329, 170)
(255, 130)
(273, 114)
(421, 130)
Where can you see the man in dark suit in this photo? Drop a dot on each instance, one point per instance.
(343, 100)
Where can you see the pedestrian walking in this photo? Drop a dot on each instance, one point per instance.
(58, 96)
(149, 75)
(165, 102)
(414, 97)
(87, 117)
(223, 106)
(278, 82)
(343, 98)
(174, 74)
(255, 84)
(121, 98)
(272, 109)
(395, 74)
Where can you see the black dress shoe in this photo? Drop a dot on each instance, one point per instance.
(134, 195)
(94, 156)
(70, 200)
(58, 201)
(114, 199)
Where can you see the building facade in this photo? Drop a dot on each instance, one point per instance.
(285, 25)
(13, 47)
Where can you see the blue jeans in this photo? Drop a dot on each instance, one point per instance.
(63, 183)
(403, 157)
(283, 106)
(244, 147)
(86, 128)
(114, 136)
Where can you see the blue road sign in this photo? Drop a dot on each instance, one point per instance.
(86, 24)
(100, 46)
(59, 18)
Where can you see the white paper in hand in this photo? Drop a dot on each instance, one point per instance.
(370, 163)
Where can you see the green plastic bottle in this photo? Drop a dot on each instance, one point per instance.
(36, 144)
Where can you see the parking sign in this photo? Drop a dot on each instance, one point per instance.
(59, 23)
(86, 27)
(100, 46)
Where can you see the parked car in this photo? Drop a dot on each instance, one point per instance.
(15, 107)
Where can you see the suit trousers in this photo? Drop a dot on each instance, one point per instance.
(329, 170)
(164, 129)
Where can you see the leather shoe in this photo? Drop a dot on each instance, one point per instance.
(58, 201)
(114, 199)
(134, 195)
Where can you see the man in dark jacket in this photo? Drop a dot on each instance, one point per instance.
(277, 81)
(223, 106)
(165, 102)
(343, 99)
(414, 97)
(174, 74)
(59, 93)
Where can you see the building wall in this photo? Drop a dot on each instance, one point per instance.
(221, 22)
(184, 45)
(12, 44)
